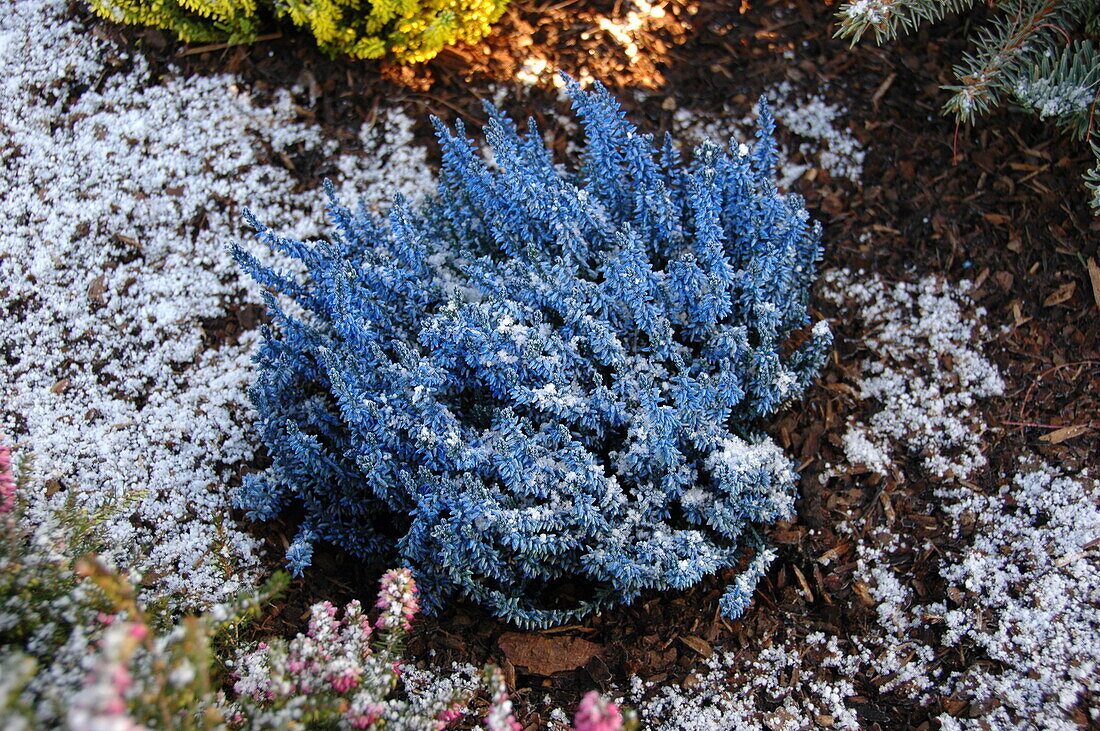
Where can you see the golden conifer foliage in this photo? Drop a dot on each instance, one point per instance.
(409, 30)
(406, 30)
(194, 21)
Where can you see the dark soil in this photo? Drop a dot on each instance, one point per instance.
(1006, 209)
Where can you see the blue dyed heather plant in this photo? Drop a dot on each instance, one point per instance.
(543, 377)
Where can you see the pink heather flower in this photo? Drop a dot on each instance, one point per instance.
(447, 717)
(7, 481)
(365, 718)
(121, 680)
(321, 621)
(139, 631)
(499, 717)
(397, 600)
(346, 681)
(596, 714)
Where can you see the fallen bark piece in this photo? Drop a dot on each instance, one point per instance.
(698, 644)
(1094, 278)
(541, 655)
(1066, 432)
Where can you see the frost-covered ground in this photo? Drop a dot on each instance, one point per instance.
(121, 195)
(1024, 582)
(121, 192)
(815, 123)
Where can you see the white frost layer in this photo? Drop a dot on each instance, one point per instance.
(780, 688)
(816, 121)
(1026, 595)
(1029, 597)
(1024, 581)
(1025, 586)
(926, 369)
(121, 194)
(1024, 592)
(827, 140)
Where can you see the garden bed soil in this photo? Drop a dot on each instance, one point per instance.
(1000, 203)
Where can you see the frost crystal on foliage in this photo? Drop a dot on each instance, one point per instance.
(544, 375)
(1050, 99)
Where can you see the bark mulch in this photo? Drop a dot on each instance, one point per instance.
(1002, 206)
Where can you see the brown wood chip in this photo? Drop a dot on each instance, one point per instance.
(834, 552)
(547, 655)
(1060, 295)
(1066, 432)
(805, 584)
(863, 593)
(96, 290)
(1094, 277)
(698, 644)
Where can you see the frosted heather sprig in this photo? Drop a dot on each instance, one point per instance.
(342, 673)
(102, 703)
(398, 600)
(595, 713)
(499, 717)
(330, 674)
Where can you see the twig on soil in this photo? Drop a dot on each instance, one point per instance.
(1044, 374)
(223, 46)
(439, 100)
(1037, 425)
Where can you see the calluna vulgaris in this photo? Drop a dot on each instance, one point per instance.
(544, 377)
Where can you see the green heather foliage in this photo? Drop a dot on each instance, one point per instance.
(77, 650)
(1038, 54)
(80, 650)
(406, 30)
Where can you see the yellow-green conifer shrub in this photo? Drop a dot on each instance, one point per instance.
(193, 21)
(406, 30)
